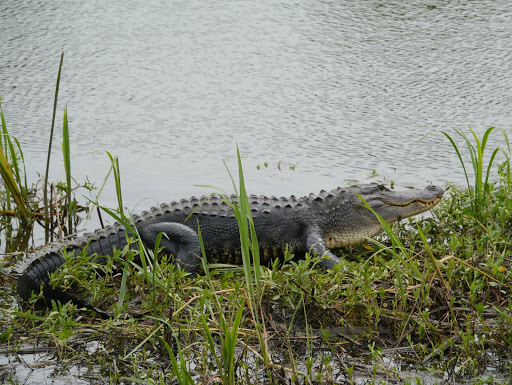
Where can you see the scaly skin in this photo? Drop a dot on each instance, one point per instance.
(316, 223)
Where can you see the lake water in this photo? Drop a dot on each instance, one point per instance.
(325, 92)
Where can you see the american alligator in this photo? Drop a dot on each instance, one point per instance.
(315, 223)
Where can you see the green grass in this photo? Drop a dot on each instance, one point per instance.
(206, 321)
(431, 294)
(379, 308)
(15, 186)
(480, 188)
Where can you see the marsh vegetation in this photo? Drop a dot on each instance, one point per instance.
(428, 302)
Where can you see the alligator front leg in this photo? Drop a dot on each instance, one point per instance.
(177, 239)
(315, 243)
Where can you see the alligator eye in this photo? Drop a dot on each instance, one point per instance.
(381, 187)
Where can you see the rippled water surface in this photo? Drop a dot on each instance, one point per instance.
(333, 89)
(324, 92)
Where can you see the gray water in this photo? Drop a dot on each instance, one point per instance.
(325, 92)
(331, 89)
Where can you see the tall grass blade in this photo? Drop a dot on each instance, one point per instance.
(3, 147)
(476, 160)
(180, 369)
(397, 243)
(25, 183)
(45, 185)
(247, 234)
(121, 219)
(100, 189)
(10, 185)
(122, 289)
(480, 189)
(154, 270)
(67, 168)
(12, 180)
(460, 158)
(249, 248)
(117, 179)
(507, 157)
(119, 214)
(487, 186)
(434, 261)
(9, 148)
(228, 339)
(211, 343)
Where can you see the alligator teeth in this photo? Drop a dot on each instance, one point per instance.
(432, 203)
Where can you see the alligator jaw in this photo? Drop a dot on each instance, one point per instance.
(393, 206)
(414, 207)
(421, 202)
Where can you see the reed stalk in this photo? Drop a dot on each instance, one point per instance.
(45, 185)
(67, 168)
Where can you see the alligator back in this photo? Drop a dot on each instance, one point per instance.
(278, 223)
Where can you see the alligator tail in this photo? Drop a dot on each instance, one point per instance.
(102, 242)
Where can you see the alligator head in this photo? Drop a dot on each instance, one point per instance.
(354, 222)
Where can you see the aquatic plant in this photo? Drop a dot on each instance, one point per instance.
(480, 188)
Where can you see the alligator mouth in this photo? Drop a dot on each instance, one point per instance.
(422, 203)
